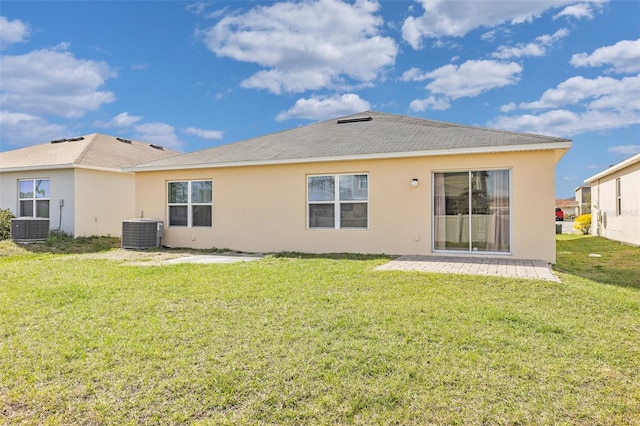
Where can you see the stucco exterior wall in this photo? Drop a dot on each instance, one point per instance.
(264, 208)
(61, 184)
(104, 200)
(624, 227)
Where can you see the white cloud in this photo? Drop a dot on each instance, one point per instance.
(20, 129)
(160, 134)
(414, 74)
(580, 105)
(537, 48)
(197, 8)
(200, 8)
(625, 149)
(217, 13)
(323, 108)
(458, 81)
(624, 56)
(598, 93)
(565, 123)
(306, 45)
(578, 11)
(442, 18)
(204, 133)
(12, 32)
(548, 39)
(420, 105)
(489, 35)
(472, 78)
(557, 123)
(508, 107)
(276, 81)
(121, 120)
(530, 49)
(53, 81)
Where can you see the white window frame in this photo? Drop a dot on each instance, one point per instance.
(33, 199)
(189, 204)
(336, 202)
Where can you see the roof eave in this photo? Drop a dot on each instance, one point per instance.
(626, 163)
(60, 167)
(38, 167)
(559, 147)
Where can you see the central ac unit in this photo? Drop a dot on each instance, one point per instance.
(141, 233)
(25, 229)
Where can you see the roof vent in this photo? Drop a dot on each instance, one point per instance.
(79, 138)
(354, 120)
(123, 140)
(157, 147)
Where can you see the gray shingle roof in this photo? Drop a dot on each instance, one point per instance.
(94, 150)
(385, 135)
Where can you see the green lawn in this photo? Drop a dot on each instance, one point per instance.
(318, 340)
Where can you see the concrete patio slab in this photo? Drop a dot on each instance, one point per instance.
(501, 267)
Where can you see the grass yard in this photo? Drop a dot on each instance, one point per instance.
(318, 340)
(618, 264)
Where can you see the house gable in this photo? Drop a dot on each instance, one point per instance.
(89, 151)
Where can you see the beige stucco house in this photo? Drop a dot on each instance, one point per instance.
(615, 201)
(78, 183)
(366, 183)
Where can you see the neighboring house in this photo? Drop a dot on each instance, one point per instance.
(366, 183)
(569, 206)
(583, 198)
(615, 201)
(77, 183)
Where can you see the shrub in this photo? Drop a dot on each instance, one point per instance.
(583, 223)
(5, 223)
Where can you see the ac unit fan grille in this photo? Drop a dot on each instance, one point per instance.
(141, 234)
(29, 229)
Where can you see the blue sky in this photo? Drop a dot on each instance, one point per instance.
(193, 75)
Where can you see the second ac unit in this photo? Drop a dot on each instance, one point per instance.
(141, 233)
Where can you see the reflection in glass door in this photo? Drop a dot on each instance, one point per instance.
(471, 211)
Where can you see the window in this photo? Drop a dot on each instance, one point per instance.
(34, 198)
(190, 203)
(618, 198)
(338, 201)
(471, 211)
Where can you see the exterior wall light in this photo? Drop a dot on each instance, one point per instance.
(414, 182)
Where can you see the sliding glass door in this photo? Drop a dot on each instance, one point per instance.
(471, 211)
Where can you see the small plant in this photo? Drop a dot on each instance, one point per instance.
(5, 223)
(58, 237)
(583, 223)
